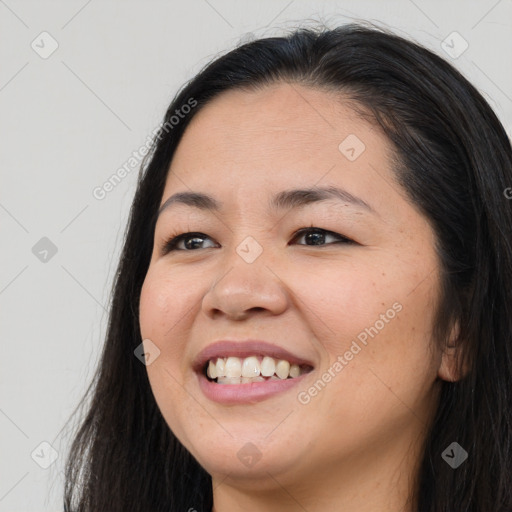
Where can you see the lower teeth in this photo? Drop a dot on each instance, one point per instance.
(244, 380)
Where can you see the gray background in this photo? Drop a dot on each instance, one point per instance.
(70, 120)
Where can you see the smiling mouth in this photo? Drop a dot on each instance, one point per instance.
(236, 370)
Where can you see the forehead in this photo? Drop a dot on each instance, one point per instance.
(280, 132)
(278, 114)
(245, 146)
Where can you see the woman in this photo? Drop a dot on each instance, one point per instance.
(312, 309)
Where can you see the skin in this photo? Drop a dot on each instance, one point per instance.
(355, 446)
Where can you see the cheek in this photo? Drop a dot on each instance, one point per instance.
(344, 299)
(381, 316)
(154, 307)
(163, 306)
(162, 309)
(388, 384)
(165, 298)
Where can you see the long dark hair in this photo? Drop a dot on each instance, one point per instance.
(454, 161)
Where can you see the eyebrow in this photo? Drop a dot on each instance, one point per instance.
(287, 199)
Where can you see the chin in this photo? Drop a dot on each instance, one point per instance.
(252, 463)
(261, 476)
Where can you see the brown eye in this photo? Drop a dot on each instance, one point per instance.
(317, 236)
(191, 241)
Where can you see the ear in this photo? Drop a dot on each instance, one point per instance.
(448, 368)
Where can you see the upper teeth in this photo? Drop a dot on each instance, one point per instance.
(235, 367)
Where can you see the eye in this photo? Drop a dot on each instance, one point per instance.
(317, 235)
(312, 234)
(194, 238)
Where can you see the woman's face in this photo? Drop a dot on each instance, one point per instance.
(357, 314)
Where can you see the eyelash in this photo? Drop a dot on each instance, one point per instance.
(172, 242)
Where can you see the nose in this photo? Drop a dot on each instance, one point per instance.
(243, 289)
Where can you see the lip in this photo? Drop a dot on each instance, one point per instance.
(247, 392)
(226, 348)
(231, 394)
